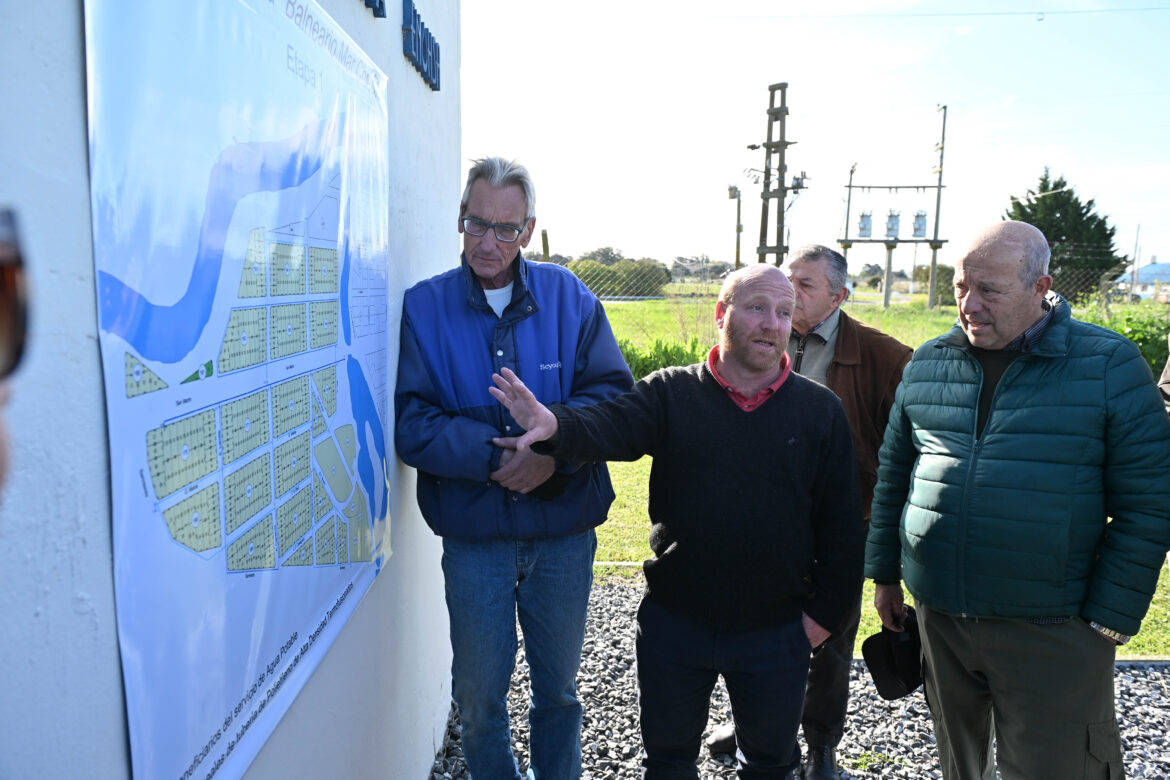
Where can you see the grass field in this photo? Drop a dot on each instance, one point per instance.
(624, 536)
(675, 319)
(678, 319)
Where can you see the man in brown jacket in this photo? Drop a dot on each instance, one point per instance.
(863, 366)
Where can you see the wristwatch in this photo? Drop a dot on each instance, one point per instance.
(1116, 636)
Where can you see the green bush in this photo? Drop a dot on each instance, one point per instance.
(1145, 324)
(660, 354)
(625, 278)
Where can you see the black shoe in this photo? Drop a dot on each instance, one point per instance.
(722, 740)
(821, 764)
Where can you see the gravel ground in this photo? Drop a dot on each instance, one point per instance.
(882, 739)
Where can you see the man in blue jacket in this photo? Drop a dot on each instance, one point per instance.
(1022, 496)
(517, 527)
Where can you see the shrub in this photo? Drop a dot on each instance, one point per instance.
(625, 278)
(1145, 324)
(660, 354)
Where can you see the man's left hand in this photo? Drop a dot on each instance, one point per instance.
(521, 470)
(815, 632)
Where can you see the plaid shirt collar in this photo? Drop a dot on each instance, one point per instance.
(1027, 341)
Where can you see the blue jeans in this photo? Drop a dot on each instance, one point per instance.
(546, 583)
(679, 661)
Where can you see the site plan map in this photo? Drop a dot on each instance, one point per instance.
(239, 186)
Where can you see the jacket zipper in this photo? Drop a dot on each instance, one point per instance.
(976, 450)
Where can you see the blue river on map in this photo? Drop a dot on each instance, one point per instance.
(167, 334)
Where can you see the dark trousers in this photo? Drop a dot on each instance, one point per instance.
(1043, 693)
(827, 697)
(679, 662)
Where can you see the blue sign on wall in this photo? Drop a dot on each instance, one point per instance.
(419, 46)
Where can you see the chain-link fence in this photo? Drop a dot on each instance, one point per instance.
(653, 307)
(646, 301)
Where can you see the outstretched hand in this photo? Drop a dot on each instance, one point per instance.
(534, 417)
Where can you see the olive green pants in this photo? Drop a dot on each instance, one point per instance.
(1043, 693)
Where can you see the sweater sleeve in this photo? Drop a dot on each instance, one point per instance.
(624, 428)
(1137, 485)
(600, 372)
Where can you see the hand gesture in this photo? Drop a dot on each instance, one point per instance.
(533, 416)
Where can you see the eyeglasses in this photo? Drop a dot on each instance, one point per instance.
(13, 297)
(505, 233)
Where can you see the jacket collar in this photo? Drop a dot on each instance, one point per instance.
(848, 349)
(475, 295)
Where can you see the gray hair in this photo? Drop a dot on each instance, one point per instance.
(836, 270)
(499, 172)
(1036, 258)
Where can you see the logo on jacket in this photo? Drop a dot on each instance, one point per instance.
(550, 366)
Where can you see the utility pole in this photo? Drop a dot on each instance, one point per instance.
(891, 240)
(1133, 273)
(733, 192)
(846, 243)
(935, 244)
(775, 147)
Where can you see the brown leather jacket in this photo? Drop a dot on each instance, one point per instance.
(864, 373)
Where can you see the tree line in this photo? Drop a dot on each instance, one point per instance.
(1083, 255)
(609, 274)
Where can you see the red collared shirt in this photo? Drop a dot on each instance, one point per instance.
(742, 401)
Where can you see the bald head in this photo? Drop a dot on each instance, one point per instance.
(754, 317)
(749, 276)
(1018, 240)
(1000, 284)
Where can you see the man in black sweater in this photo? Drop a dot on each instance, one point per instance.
(757, 530)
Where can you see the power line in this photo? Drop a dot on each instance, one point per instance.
(1039, 14)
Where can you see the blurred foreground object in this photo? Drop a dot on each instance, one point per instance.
(13, 300)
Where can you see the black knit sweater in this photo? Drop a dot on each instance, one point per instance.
(756, 515)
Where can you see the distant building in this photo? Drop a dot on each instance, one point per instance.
(1152, 282)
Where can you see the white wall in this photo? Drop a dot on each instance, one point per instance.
(379, 699)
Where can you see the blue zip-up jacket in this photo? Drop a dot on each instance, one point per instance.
(554, 334)
(1061, 507)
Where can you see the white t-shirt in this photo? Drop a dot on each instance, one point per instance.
(499, 299)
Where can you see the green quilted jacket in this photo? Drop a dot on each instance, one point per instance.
(1062, 507)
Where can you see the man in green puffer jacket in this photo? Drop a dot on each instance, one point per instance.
(1023, 498)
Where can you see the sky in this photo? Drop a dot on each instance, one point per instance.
(635, 117)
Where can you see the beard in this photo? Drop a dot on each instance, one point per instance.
(735, 343)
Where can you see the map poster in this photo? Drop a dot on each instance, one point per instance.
(239, 171)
